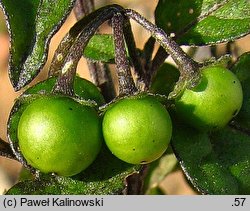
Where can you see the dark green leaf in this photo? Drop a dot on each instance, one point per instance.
(100, 48)
(21, 17)
(31, 25)
(201, 22)
(232, 147)
(217, 163)
(105, 176)
(241, 69)
(165, 79)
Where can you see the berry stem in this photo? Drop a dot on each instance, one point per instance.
(99, 73)
(67, 42)
(82, 34)
(147, 61)
(125, 80)
(69, 39)
(189, 69)
(158, 59)
(132, 50)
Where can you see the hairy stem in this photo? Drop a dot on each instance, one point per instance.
(184, 62)
(126, 83)
(69, 39)
(161, 55)
(132, 50)
(65, 80)
(67, 42)
(189, 69)
(99, 72)
(159, 59)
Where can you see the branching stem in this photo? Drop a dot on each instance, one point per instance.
(189, 69)
(184, 62)
(99, 72)
(65, 80)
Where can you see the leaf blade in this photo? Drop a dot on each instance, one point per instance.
(100, 48)
(19, 20)
(241, 69)
(205, 22)
(31, 31)
(105, 176)
(213, 163)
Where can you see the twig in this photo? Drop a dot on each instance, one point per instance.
(161, 54)
(189, 69)
(99, 72)
(126, 83)
(132, 50)
(65, 80)
(158, 59)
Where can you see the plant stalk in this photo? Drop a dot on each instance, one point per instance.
(125, 80)
(189, 69)
(99, 73)
(64, 84)
(133, 52)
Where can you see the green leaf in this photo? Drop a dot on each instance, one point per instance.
(158, 170)
(218, 163)
(100, 48)
(104, 177)
(241, 69)
(202, 22)
(232, 147)
(31, 24)
(165, 79)
(20, 16)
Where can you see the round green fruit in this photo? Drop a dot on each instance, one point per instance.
(137, 129)
(58, 134)
(213, 102)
